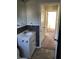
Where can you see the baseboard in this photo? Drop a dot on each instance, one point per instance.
(38, 47)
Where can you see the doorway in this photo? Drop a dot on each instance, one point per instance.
(51, 20)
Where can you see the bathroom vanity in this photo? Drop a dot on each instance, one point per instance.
(27, 43)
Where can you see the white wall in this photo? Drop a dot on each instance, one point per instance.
(29, 13)
(21, 13)
(33, 12)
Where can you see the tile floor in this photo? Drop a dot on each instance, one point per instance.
(48, 47)
(43, 54)
(49, 41)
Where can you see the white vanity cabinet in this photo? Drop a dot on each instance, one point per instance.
(27, 43)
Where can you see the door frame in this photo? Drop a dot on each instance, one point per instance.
(58, 39)
(58, 53)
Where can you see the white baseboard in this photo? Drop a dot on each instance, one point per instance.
(38, 47)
